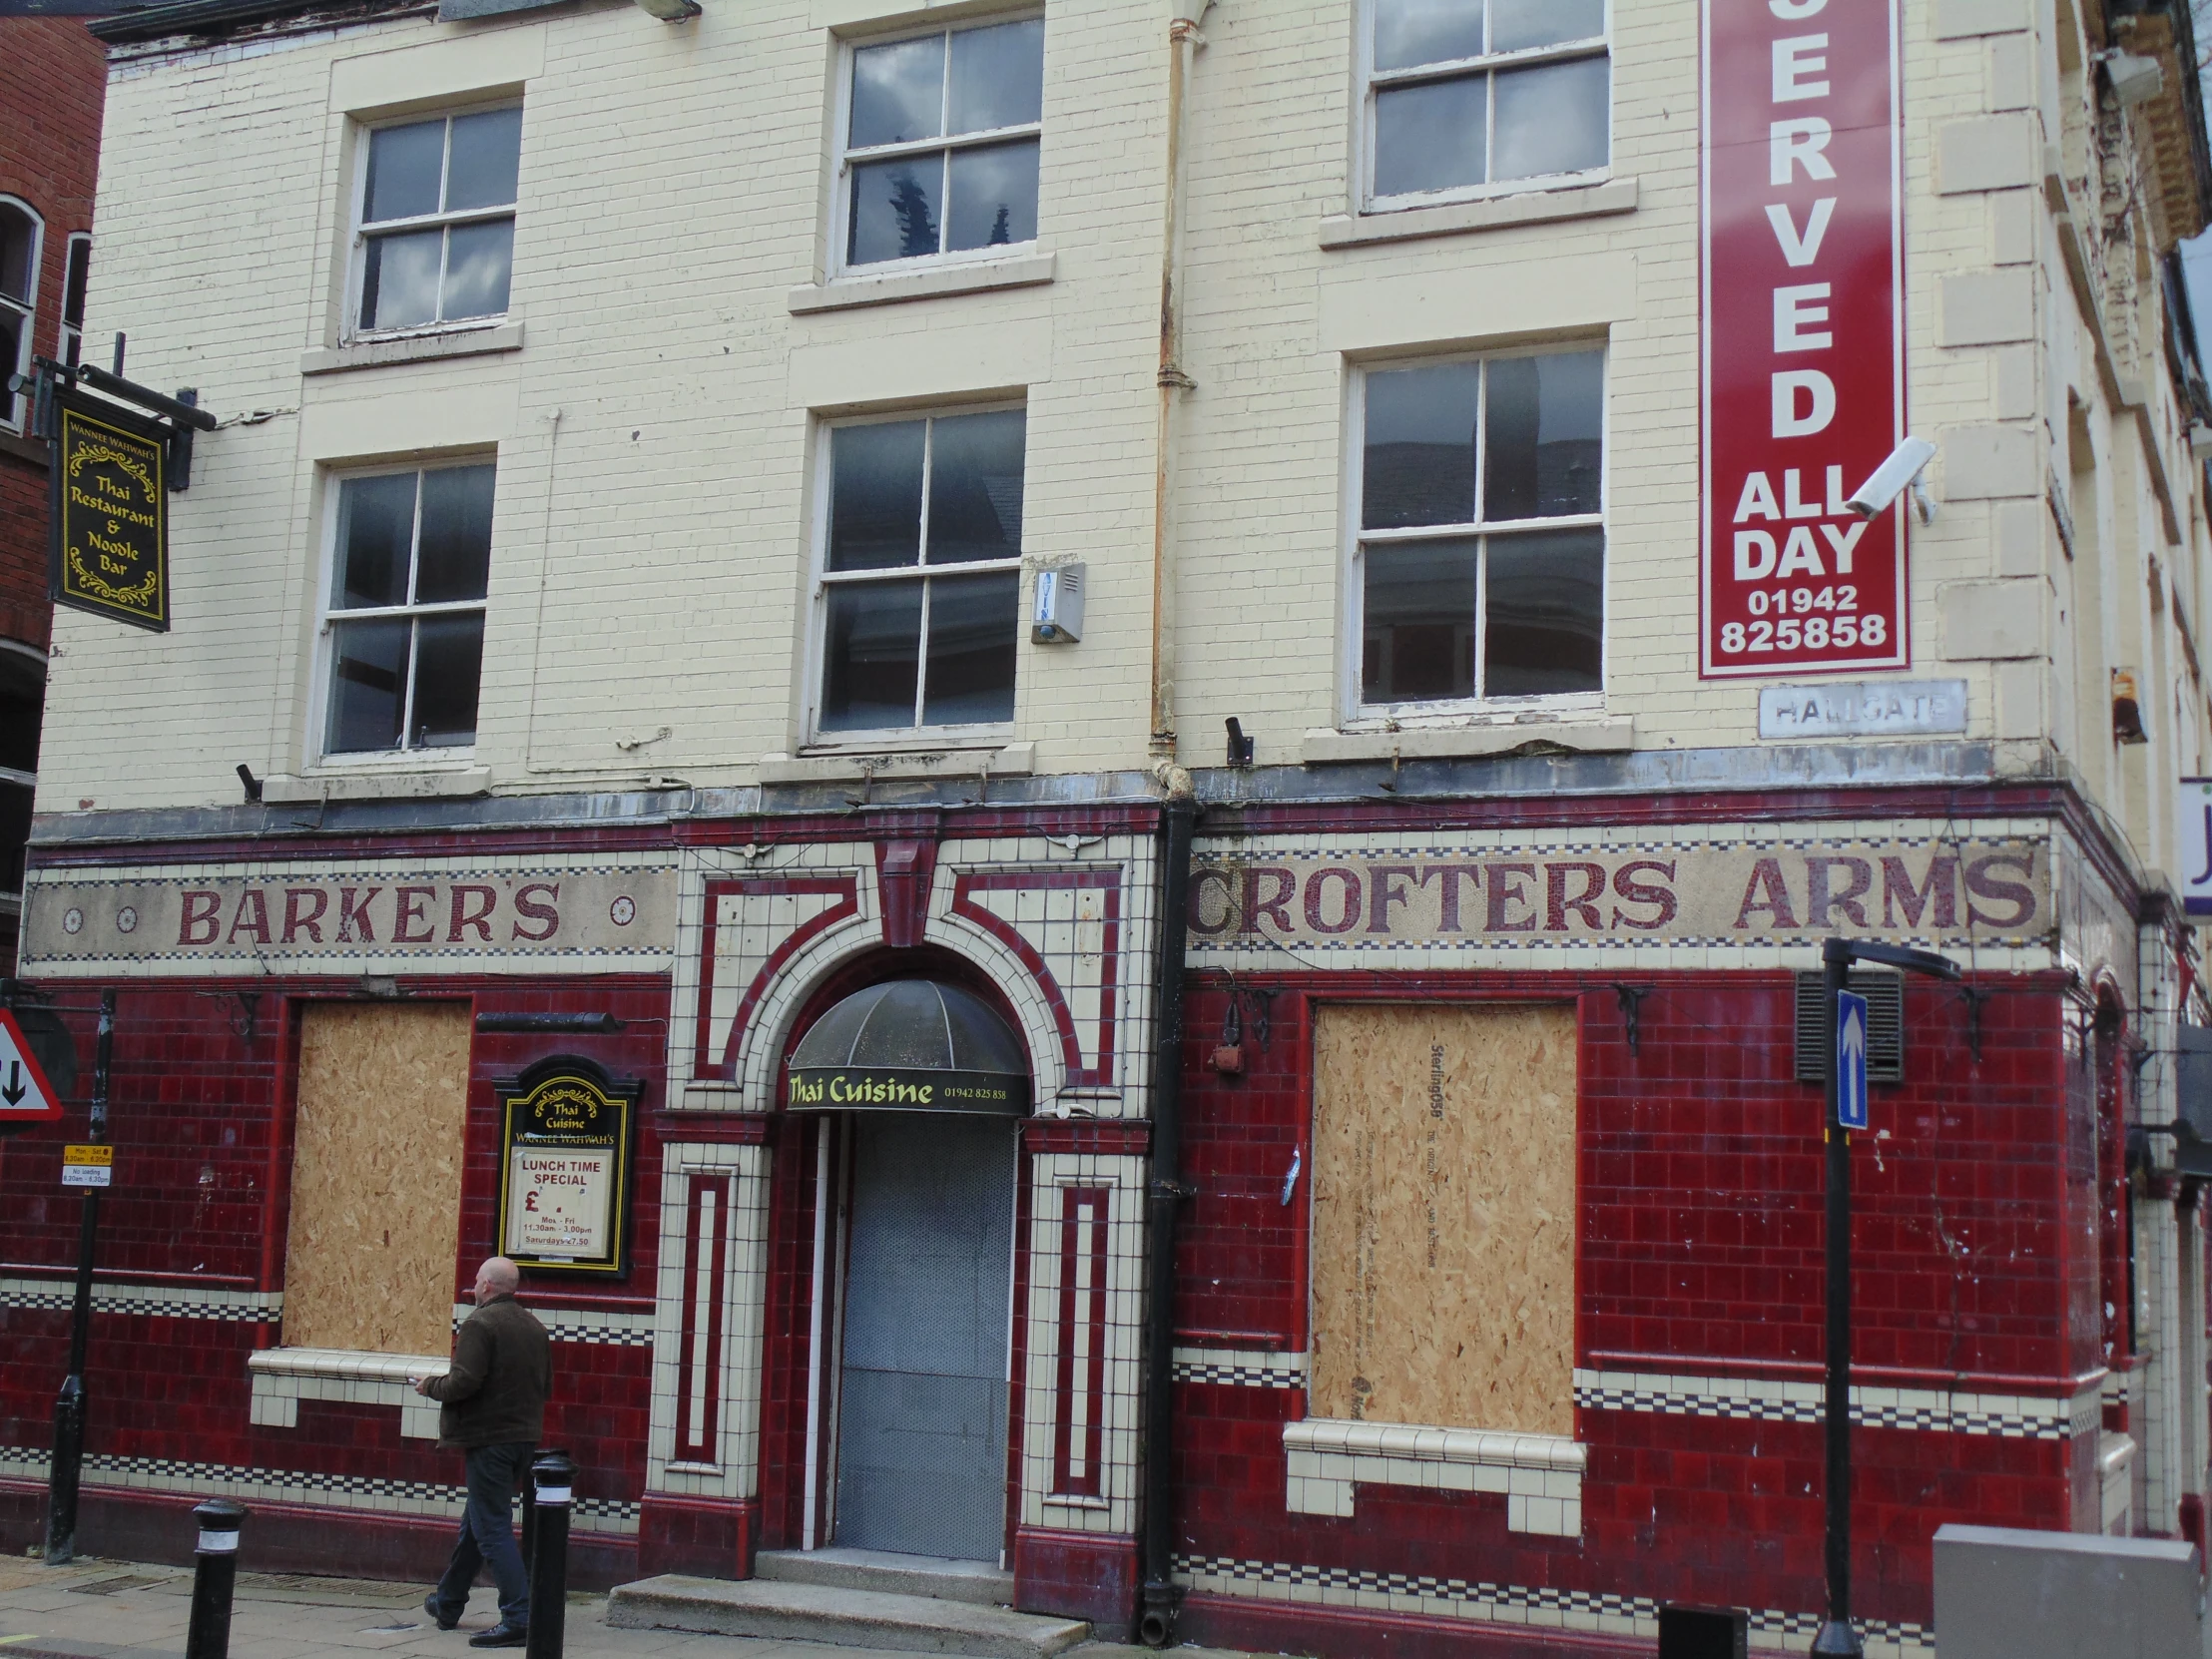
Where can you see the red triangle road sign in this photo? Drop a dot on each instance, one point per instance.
(25, 1094)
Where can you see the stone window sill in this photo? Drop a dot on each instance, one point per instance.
(1613, 735)
(283, 1377)
(1013, 759)
(24, 449)
(412, 348)
(446, 783)
(981, 276)
(1496, 213)
(1541, 1476)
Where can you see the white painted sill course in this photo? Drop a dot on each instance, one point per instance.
(411, 348)
(1496, 213)
(1012, 760)
(1612, 736)
(980, 276)
(289, 790)
(283, 1377)
(1541, 1476)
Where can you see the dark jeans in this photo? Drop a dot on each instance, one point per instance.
(495, 1474)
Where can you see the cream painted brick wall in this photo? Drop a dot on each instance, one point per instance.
(656, 433)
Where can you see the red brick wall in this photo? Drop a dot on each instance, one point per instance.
(53, 83)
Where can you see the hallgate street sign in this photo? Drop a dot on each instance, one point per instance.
(1851, 1060)
(26, 1097)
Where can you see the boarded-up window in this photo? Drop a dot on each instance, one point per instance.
(1444, 1216)
(376, 1176)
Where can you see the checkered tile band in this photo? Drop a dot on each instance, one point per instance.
(333, 1492)
(1537, 1608)
(583, 1325)
(2009, 1417)
(1240, 1367)
(178, 1302)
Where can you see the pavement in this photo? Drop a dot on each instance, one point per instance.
(98, 1609)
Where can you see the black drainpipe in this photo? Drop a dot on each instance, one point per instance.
(1163, 1206)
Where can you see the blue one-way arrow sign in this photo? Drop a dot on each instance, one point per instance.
(1851, 1060)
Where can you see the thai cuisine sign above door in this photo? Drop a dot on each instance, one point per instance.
(1804, 372)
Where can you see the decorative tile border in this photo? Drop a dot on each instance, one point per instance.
(1240, 1367)
(332, 1492)
(2007, 1417)
(1511, 1604)
(600, 1326)
(112, 1295)
(1541, 1476)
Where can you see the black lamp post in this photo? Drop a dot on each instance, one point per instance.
(1836, 1638)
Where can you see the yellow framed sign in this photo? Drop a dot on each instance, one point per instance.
(564, 1168)
(110, 546)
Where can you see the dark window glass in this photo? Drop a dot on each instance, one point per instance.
(993, 195)
(21, 714)
(895, 208)
(1547, 614)
(11, 360)
(1553, 118)
(376, 530)
(1430, 136)
(1412, 32)
(399, 282)
(18, 253)
(998, 77)
(1546, 419)
(404, 168)
(486, 160)
(1418, 638)
(875, 495)
(455, 557)
(872, 652)
(369, 684)
(449, 662)
(1419, 456)
(897, 92)
(78, 280)
(975, 487)
(15, 834)
(1515, 24)
(479, 260)
(972, 624)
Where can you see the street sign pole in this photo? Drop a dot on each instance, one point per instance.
(70, 1408)
(1836, 1638)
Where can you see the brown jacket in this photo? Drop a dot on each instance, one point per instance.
(494, 1392)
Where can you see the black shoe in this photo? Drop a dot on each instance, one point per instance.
(502, 1635)
(437, 1609)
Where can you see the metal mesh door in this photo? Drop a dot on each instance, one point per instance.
(921, 1438)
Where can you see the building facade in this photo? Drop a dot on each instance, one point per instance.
(716, 518)
(52, 81)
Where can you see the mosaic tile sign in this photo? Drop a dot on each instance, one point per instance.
(382, 917)
(1949, 891)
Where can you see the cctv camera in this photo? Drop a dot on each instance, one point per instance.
(1891, 477)
(2134, 77)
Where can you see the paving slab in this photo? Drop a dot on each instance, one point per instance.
(834, 1615)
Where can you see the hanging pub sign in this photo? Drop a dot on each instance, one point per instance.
(109, 541)
(564, 1168)
(1804, 344)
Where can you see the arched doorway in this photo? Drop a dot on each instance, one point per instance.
(924, 1087)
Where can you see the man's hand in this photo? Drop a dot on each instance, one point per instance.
(420, 1384)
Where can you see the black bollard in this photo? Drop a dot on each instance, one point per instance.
(549, 1477)
(530, 1506)
(215, 1567)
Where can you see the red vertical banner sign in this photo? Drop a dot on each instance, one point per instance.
(1804, 338)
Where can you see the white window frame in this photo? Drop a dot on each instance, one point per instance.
(840, 227)
(1371, 81)
(13, 405)
(406, 757)
(820, 579)
(358, 235)
(69, 333)
(1353, 715)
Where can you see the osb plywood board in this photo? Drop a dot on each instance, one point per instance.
(1444, 1216)
(376, 1176)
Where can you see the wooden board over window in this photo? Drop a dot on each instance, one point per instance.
(376, 1176)
(1444, 1216)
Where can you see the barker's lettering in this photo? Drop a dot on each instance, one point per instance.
(354, 921)
(472, 906)
(201, 918)
(414, 905)
(298, 918)
(527, 907)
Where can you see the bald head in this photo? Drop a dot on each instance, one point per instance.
(496, 1278)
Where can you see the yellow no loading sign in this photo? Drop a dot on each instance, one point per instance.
(88, 1166)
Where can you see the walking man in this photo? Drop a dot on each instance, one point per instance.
(494, 1409)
